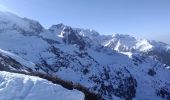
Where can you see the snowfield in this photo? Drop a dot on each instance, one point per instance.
(23, 87)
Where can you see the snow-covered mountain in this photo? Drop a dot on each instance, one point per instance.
(115, 67)
(12, 22)
(126, 44)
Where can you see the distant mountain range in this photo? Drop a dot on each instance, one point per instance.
(114, 66)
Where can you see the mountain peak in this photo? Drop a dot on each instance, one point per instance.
(12, 22)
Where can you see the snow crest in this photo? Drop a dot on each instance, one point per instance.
(22, 87)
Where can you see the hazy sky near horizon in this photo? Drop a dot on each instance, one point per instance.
(141, 18)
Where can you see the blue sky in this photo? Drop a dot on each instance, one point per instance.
(140, 18)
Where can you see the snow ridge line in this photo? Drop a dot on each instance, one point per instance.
(89, 95)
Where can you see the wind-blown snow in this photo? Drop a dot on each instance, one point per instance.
(22, 87)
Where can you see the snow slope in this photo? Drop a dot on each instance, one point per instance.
(9, 21)
(23, 87)
(18, 59)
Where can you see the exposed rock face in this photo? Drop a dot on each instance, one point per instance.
(119, 82)
(69, 35)
(164, 92)
(163, 56)
(7, 63)
(72, 37)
